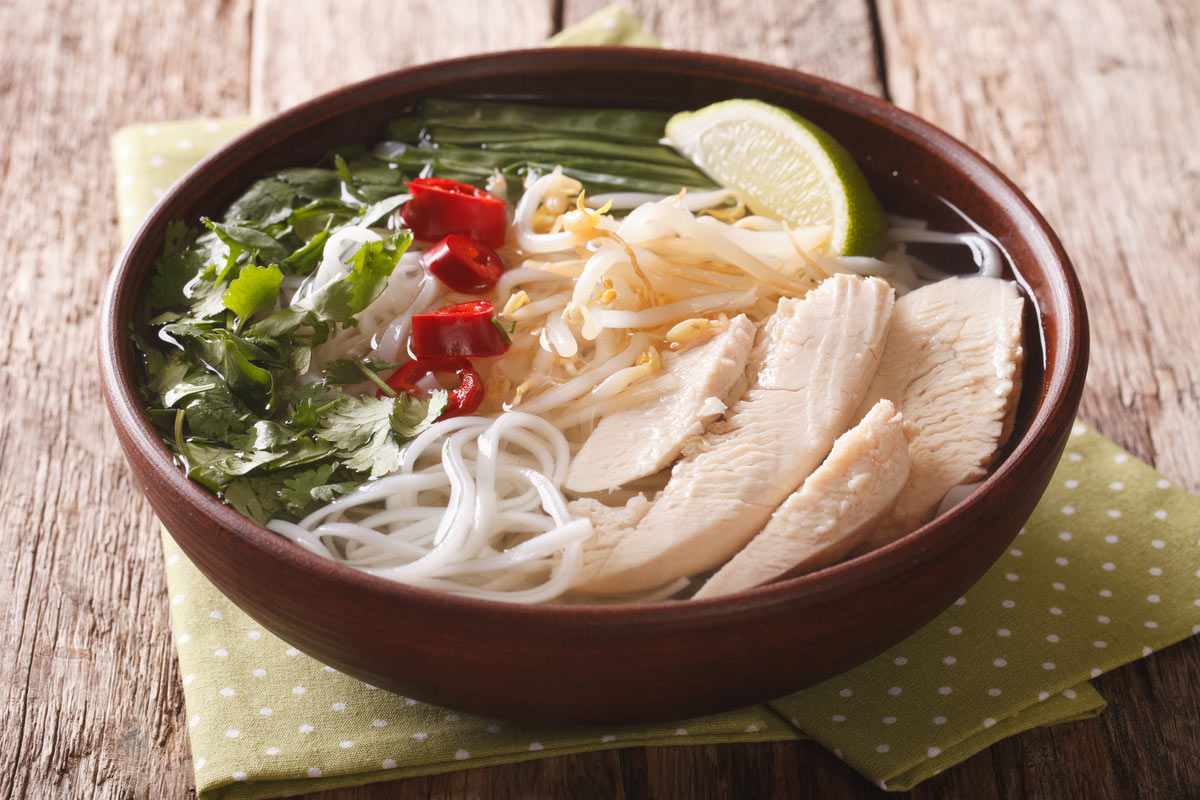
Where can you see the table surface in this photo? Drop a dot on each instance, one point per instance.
(1091, 107)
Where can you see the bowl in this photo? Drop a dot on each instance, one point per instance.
(621, 663)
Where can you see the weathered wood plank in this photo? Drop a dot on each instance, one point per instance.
(1092, 109)
(823, 37)
(302, 49)
(91, 702)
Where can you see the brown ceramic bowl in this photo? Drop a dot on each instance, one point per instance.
(619, 663)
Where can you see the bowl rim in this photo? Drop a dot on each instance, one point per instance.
(1061, 388)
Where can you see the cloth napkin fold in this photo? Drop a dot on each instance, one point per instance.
(1106, 571)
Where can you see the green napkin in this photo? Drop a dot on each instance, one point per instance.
(1106, 571)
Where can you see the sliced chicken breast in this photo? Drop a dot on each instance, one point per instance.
(813, 361)
(821, 522)
(952, 366)
(640, 441)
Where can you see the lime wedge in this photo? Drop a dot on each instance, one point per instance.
(786, 168)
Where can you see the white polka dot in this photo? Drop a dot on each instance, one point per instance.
(1071, 483)
(185, 144)
(1004, 632)
(1068, 510)
(259, 673)
(233, 733)
(1152, 598)
(889, 720)
(346, 745)
(187, 679)
(846, 692)
(1151, 623)
(184, 638)
(291, 651)
(306, 729)
(1052, 638)
(751, 729)
(1056, 611)
(1158, 544)
(408, 701)
(1116, 486)
(993, 692)
(1114, 513)
(1099, 644)
(214, 614)
(989, 722)
(1015, 553)
(239, 776)
(174, 559)
(1147, 651)
(461, 755)
(1012, 576)
(1065, 536)
(895, 690)
(266, 712)
(1103, 619)
(1155, 571)
(945, 690)
(838, 718)
(1075, 457)
(255, 635)
(151, 130)
(369, 687)
(420, 737)
(933, 752)
(949, 660)
(192, 722)
(954, 630)
(314, 772)
(272, 751)
(962, 601)
(1163, 483)
(299, 690)
(1111, 538)
(1195, 630)
(883, 748)
(453, 718)
(126, 151)
(379, 723)
(901, 661)
(1062, 562)
(608, 737)
(220, 652)
(1048, 665)
(1069, 694)
(1043, 696)
(1160, 514)
(1108, 566)
(681, 732)
(1121, 458)
(1106, 592)
(156, 160)
(1096, 672)
(1007, 603)
(1059, 586)
(535, 746)
(388, 763)
(227, 692)
(338, 706)
(999, 662)
(939, 720)
(130, 210)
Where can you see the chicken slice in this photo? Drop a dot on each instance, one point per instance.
(813, 361)
(952, 365)
(822, 521)
(640, 441)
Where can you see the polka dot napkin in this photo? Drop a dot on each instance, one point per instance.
(1107, 570)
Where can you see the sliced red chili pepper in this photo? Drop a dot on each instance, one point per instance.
(464, 264)
(465, 329)
(415, 376)
(440, 206)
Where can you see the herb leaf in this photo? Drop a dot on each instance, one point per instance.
(254, 289)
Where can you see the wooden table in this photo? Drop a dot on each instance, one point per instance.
(1092, 108)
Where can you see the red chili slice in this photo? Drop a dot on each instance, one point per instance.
(464, 264)
(467, 329)
(440, 206)
(463, 399)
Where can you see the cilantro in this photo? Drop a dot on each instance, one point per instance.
(254, 289)
(367, 431)
(310, 487)
(340, 300)
(266, 202)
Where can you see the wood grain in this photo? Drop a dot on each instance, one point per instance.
(1092, 108)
